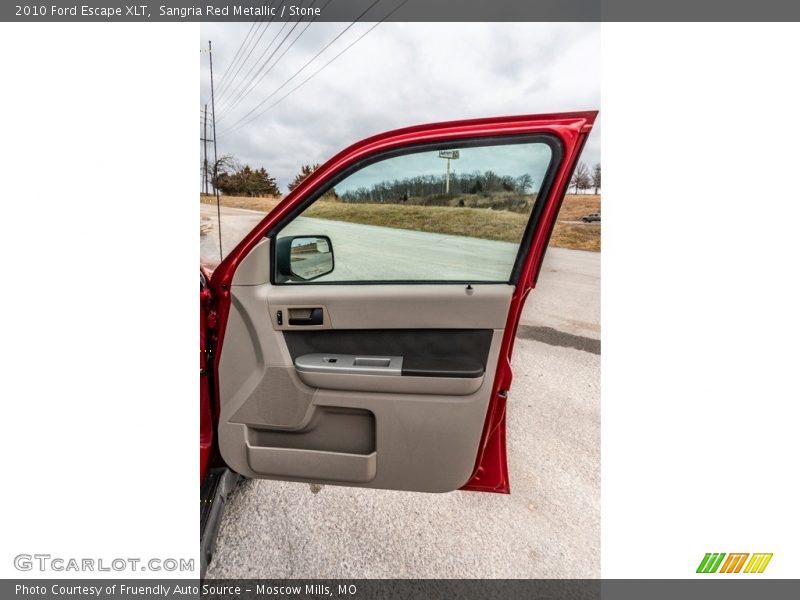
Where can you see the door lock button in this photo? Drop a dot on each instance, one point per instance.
(279, 317)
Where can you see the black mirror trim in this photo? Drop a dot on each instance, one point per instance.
(283, 256)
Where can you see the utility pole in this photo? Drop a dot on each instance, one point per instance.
(214, 130)
(205, 141)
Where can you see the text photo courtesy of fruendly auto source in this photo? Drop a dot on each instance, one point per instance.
(400, 300)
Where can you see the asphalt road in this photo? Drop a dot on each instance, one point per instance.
(567, 297)
(371, 253)
(548, 527)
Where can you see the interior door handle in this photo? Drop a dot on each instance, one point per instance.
(314, 316)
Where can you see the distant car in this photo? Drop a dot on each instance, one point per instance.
(591, 218)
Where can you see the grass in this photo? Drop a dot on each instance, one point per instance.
(577, 237)
(262, 204)
(474, 222)
(567, 234)
(577, 205)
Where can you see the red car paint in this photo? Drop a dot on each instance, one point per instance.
(491, 471)
(206, 421)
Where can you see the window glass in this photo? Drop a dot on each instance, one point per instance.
(443, 215)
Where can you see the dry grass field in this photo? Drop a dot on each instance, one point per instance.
(579, 236)
(503, 225)
(261, 204)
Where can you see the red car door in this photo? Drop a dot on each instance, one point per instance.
(362, 333)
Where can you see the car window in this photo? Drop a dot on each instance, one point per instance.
(450, 214)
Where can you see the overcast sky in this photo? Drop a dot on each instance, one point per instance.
(399, 74)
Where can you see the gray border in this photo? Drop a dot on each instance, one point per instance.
(708, 587)
(418, 10)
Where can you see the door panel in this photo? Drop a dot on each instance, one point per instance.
(411, 431)
(391, 368)
(430, 306)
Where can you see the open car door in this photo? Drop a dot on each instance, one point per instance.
(362, 332)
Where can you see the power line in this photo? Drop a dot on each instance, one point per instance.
(243, 44)
(238, 52)
(224, 89)
(308, 62)
(244, 58)
(239, 124)
(250, 70)
(252, 87)
(265, 63)
(234, 88)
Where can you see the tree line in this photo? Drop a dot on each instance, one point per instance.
(234, 179)
(401, 190)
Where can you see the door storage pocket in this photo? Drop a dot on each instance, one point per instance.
(312, 464)
(338, 444)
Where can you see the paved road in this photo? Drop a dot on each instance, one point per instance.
(549, 526)
(567, 297)
(236, 223)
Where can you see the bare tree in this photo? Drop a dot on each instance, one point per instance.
(226, 164)
(596, 178)
(580, 178)
(524, 183)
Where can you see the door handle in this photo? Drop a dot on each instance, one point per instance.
(314, 316)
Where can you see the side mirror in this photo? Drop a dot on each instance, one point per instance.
(304, 257)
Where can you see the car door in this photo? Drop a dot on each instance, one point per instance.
(362, 332)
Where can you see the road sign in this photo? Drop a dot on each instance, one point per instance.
(449, 155)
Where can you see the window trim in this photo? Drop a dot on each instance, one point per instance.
(557, 156)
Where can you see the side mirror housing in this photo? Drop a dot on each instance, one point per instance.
(303, 257)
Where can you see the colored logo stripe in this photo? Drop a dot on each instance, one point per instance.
(734, 563)
(758, 563)
(710, 562)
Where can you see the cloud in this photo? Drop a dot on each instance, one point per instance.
(399, 74)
